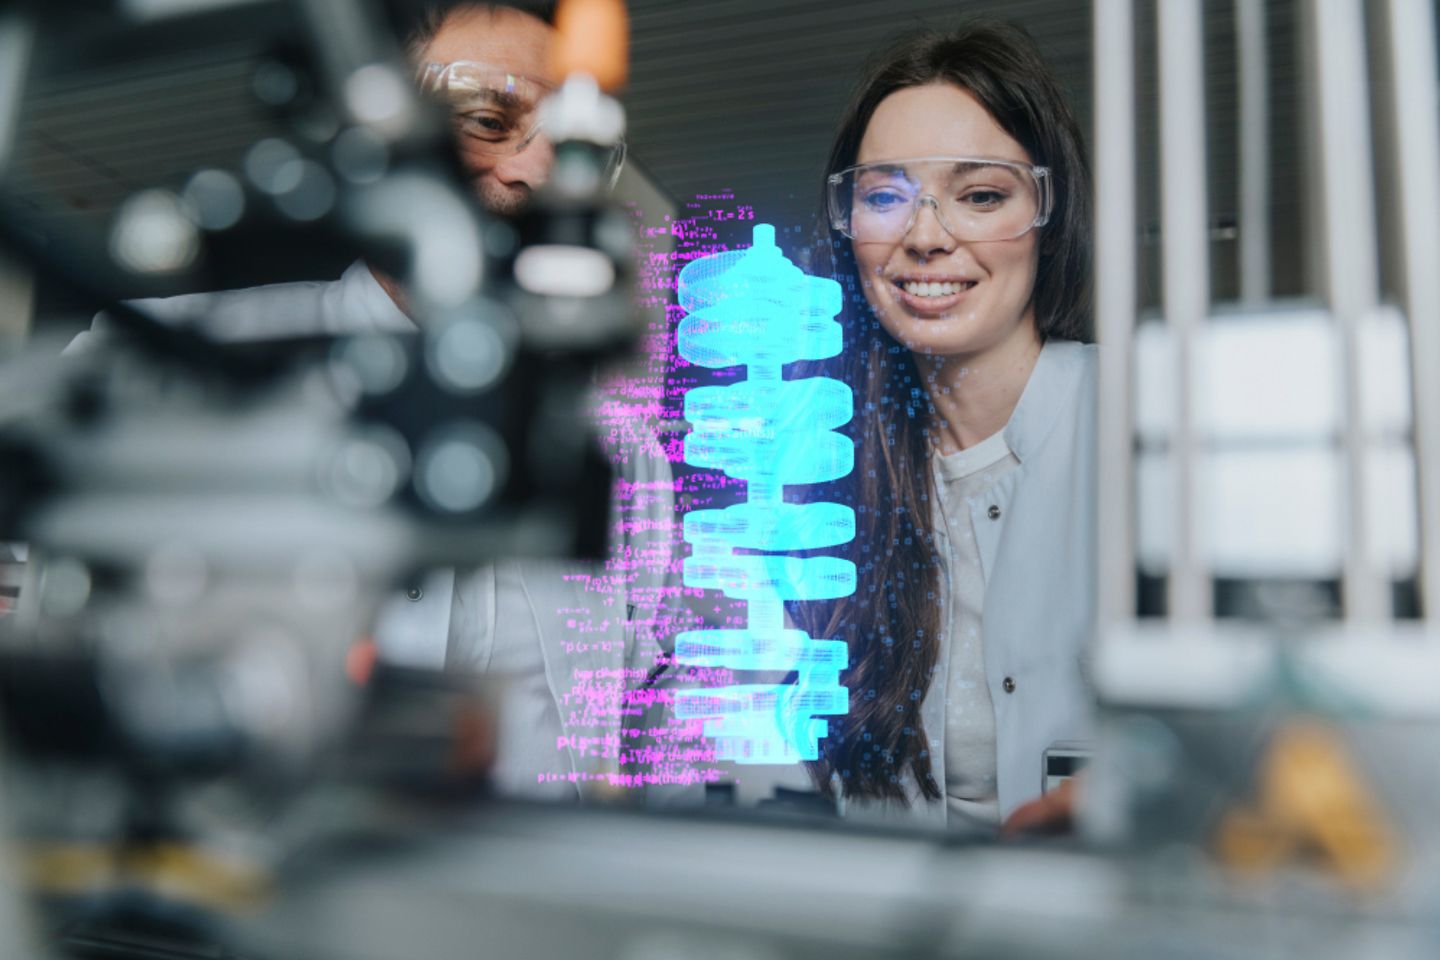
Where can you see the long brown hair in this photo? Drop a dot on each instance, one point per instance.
(892, 622)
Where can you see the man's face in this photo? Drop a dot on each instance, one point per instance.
(509, 42)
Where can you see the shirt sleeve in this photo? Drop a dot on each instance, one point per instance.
(472, 617)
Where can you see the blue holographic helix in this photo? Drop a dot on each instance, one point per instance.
(755, 308)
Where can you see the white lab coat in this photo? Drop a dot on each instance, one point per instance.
(597, 637)
(1040, 598)
(356, 303)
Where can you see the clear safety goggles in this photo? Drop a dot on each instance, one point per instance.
(494, 113)
(976, 199)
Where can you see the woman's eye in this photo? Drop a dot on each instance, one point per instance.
(882, 200)
(983, 199)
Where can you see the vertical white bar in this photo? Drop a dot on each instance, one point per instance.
(1186, 254)
(1115, 273)
(16, 37)
(1349, 268)
(17, 301)
(18, 927)
(1416, 150)
(1254, 142)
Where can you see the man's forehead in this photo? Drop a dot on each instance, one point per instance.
(499, 36)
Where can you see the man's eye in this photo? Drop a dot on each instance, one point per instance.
(485, 126)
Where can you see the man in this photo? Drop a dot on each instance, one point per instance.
(514, 43)
(561, 634)
(508, 40)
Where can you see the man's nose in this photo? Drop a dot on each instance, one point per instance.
(530, 167)
(926, 236)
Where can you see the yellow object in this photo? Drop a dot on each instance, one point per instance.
(594, 38)
(1313, 803)
(173, 870)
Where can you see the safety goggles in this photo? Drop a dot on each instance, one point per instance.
(976, 199)
(494, 113)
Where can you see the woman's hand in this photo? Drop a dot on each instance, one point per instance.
(1052, 812)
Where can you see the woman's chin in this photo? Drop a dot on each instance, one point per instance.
(968, 331)
(932, 336)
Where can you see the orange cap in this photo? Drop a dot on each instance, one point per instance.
(594, 38)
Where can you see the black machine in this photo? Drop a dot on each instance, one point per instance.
(211, 525)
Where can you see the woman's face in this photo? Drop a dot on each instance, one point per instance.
(988, 306)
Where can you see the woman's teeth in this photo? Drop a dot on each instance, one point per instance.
(934, 289)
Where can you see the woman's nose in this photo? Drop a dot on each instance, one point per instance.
(926, 235)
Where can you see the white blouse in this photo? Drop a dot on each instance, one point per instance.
(961, 480)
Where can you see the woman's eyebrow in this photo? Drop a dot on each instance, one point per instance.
(978, 164)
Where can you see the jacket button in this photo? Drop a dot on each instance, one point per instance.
(414, 594)
(994, 512)
(1009, 684)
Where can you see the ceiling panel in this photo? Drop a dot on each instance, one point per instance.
(745, 94)
(739, 94)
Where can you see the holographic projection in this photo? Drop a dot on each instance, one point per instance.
(754, 308)
(641, 416)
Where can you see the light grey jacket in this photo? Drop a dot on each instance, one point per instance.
(1038, 553)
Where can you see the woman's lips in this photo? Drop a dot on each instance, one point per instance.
(933, 306)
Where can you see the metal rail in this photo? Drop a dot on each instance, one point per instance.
(1415, 104)
(1335, 33)
(1115, 286)
(1186, 251)
(1254, 131)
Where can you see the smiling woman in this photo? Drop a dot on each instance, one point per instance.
(959, 214)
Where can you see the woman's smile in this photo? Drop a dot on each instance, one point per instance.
(931, 295)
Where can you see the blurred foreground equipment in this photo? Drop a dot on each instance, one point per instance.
(212, 526)
(1265, 764)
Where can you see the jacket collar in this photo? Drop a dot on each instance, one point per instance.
(1047, 395)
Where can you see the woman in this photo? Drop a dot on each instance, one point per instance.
(958, 201)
